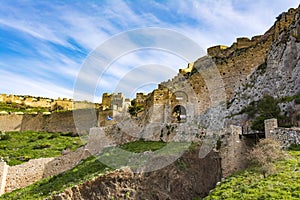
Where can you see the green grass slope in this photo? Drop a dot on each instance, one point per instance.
(86, 170)
(17, 147)
(250, 184)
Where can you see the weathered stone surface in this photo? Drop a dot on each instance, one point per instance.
(20, 176)
(187, 178)
(55, 122)
(280, 76)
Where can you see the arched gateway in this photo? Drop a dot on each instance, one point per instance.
(179, 114)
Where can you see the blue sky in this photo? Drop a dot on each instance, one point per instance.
(43, 44)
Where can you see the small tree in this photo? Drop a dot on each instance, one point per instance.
(266, 108)
(265, 154)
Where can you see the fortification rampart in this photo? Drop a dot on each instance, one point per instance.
(234, 64)
(11, 122)
(55, 122)
(283, 22)
(42, 102)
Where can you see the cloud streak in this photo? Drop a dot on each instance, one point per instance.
(43, 45)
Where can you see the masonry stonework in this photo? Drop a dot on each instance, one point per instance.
(233, 151)
(3, 175)
(20, 176)
(286, 136)
(270, 126)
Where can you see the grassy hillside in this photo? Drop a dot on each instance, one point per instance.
(247, 184)
(16, 147)
(250, 184)
(86, 170)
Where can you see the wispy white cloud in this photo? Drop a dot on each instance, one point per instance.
(46, 44)
(17, 84)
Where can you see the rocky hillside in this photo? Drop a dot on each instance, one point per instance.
(278, 77)
(189, 176)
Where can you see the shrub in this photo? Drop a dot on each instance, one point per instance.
(265, 108)
(41, 137)
(264, 154)
(41, 146)
(69, 134)
(4, 137)
(295, 147)
(262, 68)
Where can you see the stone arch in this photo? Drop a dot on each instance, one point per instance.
(179, 114)
(181, 97)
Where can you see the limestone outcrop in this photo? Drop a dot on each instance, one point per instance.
(278, 76)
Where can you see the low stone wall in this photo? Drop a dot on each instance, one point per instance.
(20, 176)
(286, 136)
(3, 174)
(65, 162)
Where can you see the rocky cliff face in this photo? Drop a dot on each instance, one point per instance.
(279, 76)
(187, 178)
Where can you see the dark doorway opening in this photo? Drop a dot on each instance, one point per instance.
(179, 114)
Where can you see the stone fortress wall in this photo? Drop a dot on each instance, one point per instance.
(234, 64)
(20, 176)
(114, 101)
(55, 122)
(42, 102)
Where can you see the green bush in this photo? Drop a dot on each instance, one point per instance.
(41, 137)
(286, 125)
(41, 146)
(135, 108)
(4, 137)
(266, 108)
(262, 68)
(294, 147)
